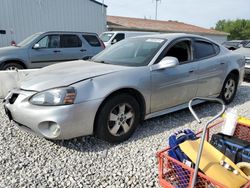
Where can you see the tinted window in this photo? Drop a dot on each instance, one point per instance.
(180, 50)
(70, 41)
(119, 36)
(92, 40)
(204, 49)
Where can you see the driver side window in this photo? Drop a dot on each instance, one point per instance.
(50, 41)
(43, 43)
(181, 50)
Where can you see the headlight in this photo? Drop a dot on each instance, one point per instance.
(54, 97)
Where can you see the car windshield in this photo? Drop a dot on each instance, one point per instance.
(131, 52)
(105, 37)
(28, 40)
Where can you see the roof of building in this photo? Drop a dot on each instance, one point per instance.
(97, 2)
(128, 23)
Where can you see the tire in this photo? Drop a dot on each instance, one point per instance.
(12, 66)
(117, 118)
(229, 88)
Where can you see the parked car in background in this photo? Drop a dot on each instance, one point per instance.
(234, 44)
(47, 48)
(136, 79)
(245, 50)
(112, 37)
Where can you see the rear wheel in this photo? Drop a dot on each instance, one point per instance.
(229, 88)
(118, 118)
(12, 66)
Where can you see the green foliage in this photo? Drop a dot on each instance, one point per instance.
(238, 29)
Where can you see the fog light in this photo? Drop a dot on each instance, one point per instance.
(55, 129)
(50, 129)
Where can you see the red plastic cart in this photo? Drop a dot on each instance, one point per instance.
(170, 169)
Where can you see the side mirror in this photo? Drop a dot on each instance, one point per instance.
(166, 62)
(36, 46)
(113, 41)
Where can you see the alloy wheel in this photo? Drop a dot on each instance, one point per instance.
(229, 89)
(121, 119)
(12, 68)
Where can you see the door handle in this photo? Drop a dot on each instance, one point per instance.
(56, 51)
(83, 50)
(222, 63)
(191, 71)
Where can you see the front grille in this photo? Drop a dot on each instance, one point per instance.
(13, 98)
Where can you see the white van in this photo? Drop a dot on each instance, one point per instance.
(112, 37)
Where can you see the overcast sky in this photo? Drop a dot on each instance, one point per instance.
(203, 13)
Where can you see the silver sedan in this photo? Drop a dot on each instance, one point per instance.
(133, 80)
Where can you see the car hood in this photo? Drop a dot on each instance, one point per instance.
(65, 74)
(9, 50)
(243, 51)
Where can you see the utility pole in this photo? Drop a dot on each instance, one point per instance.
(156, 8)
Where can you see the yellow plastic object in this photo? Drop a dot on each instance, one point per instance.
(244, 121)
(241, 120)
(210, 164)
(245, 167)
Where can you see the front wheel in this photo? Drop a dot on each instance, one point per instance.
(229, 88)
(13, 66)
(118, 118)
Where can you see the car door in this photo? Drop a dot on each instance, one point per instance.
(47, 52)
(71, 47)
(176, 85)
(212, 68)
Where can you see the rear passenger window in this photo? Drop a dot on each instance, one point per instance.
(204, 49)
(92, 40)
(70, 41)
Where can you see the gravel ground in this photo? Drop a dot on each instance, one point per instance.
(30, 161)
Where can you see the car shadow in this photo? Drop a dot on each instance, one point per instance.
(169, 122)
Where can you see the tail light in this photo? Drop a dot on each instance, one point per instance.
(13, 43)
(102, 44)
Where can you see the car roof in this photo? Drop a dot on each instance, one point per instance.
(129, 32)
(67, 32)
(172, 36)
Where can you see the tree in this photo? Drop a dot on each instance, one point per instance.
(238, 29)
